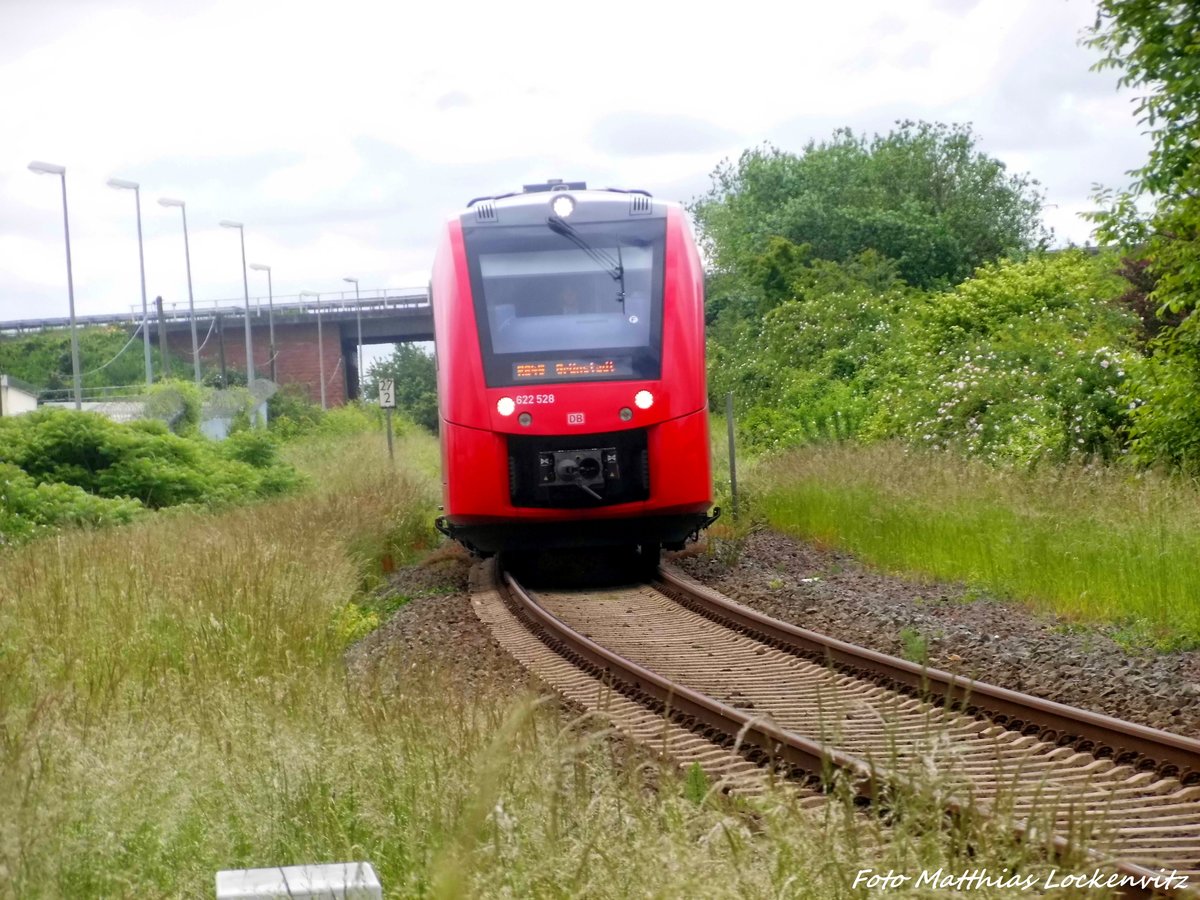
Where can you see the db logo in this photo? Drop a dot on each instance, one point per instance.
(574, 418)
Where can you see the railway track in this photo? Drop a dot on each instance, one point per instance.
(731, 690)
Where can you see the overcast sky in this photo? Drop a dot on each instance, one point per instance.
(343, 133)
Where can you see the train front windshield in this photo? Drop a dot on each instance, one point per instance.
(568, 302)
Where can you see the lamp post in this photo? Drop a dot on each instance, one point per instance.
(187, 255)
(226, 223)
(258, 267)
(43, 168)
(121, 184)
(358, 317)
(320, 344)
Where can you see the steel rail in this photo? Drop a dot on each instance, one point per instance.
(815, 758)
(1168, 754)
(800, 752)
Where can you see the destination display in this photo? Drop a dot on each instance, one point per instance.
(566, 369)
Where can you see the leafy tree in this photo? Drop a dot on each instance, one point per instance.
(804, 370)
(107, 354)
(922, 195)
(1157, 45)
(415, 374)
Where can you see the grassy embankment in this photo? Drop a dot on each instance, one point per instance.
(173, 701)
(1092, 545)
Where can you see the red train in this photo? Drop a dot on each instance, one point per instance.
(570, 347)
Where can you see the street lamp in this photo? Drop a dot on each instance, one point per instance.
(187, 255)
(43, 168)
(121, 184)
(258, 267)
(320, 343)
(358, 316)
(225, 223)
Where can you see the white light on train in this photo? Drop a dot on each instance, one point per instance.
(506, 406)
(643, 399)
(563, 206)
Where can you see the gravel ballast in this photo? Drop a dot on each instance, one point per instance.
(435, 627)
(1001, 643)
(998, 642)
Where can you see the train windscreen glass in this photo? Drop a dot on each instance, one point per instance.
(572, 302)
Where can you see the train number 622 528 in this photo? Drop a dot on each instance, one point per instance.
(532, 399)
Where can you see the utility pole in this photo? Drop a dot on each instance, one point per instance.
(162, 340)
(732, 453)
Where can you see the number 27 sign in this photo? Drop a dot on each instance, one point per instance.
(387, 393)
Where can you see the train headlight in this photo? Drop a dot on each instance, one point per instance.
(563, 206)
(643, 399)
(506, 406)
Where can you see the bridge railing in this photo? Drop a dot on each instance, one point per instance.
(372, 300)
(375, 299)
(119, 393)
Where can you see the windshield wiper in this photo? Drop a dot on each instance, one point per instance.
(614, 267)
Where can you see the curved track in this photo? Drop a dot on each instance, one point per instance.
(767, 691)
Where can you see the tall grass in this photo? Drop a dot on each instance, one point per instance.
(1098, 545)
(173, 701)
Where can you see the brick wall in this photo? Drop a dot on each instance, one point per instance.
(297, 361)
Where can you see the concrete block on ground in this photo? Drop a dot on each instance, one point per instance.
(328, 881)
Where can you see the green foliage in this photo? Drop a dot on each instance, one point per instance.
(28, 508)
(1154, 43)
(353, 418)
(922, 196)
(1164, 409)
(696, 785)
(804, 371)
(415, 375)
(291, 413)
(292, 417)
(107, 357)
(351, 622)
(178, 403)
(66, 455)
(256, 447)
(913, 645)
(1025, 361)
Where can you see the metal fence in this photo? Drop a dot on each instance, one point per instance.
(374, 300)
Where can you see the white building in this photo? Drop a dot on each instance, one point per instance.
(16, 396)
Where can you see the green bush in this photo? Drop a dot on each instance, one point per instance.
(1025, 361)
(291, 413)
(142, 461)
(177, 403)
(1162, 397)
(353, 418)
(257, 448)
(28, 508)
(806, 370)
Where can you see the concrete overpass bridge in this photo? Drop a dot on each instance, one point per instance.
(316, 336)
